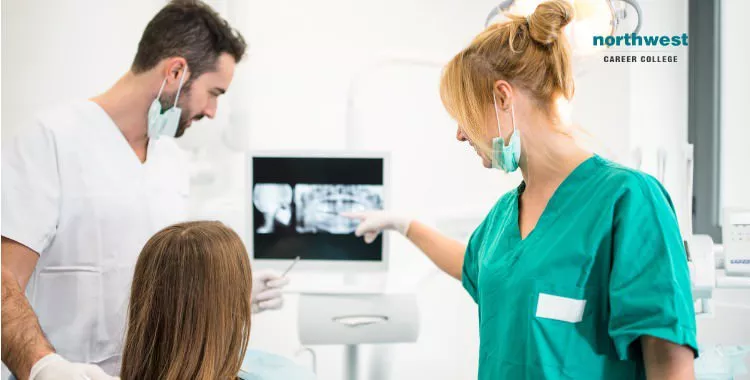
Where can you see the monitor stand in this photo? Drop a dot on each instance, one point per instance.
(309, 282)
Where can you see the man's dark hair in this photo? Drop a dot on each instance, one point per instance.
(192, 30)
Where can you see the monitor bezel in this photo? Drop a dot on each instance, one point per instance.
(315, 265)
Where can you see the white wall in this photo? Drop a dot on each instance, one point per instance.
(659, 99)
(735, 127)
(55, 50)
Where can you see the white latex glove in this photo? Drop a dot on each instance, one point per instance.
(55, 367)
(267, 285)
(373, 222)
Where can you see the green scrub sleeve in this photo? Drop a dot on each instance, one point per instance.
(649, 289)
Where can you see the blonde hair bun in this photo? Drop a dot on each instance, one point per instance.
(548, 20)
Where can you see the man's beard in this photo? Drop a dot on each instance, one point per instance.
(168, 102)
(182, 125)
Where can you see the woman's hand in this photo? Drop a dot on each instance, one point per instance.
(374, 222)
(446, 253)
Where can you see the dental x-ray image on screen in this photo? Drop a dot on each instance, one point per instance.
(274, 201)
(319, 207)
(297, 203)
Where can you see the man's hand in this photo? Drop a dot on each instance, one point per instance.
(267, 287)
(55, 367)
(23, 341)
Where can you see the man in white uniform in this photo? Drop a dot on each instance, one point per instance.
(88, 183)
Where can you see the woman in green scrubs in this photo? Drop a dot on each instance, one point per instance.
(580, 272)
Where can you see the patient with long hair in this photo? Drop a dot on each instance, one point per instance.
(189, 312)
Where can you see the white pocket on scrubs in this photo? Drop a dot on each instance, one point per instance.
(560, 308)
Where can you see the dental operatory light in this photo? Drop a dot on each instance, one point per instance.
(593, 18)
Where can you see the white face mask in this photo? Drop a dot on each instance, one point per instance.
(164, 123)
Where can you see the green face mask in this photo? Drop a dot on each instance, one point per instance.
(505, 157)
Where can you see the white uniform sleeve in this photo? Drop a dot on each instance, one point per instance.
(31, 188)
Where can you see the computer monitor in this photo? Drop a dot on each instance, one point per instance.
(294, 200)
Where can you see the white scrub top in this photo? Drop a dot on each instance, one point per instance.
(75, 192)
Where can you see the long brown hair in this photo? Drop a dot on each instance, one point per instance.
(531, 53)
(189, 312)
